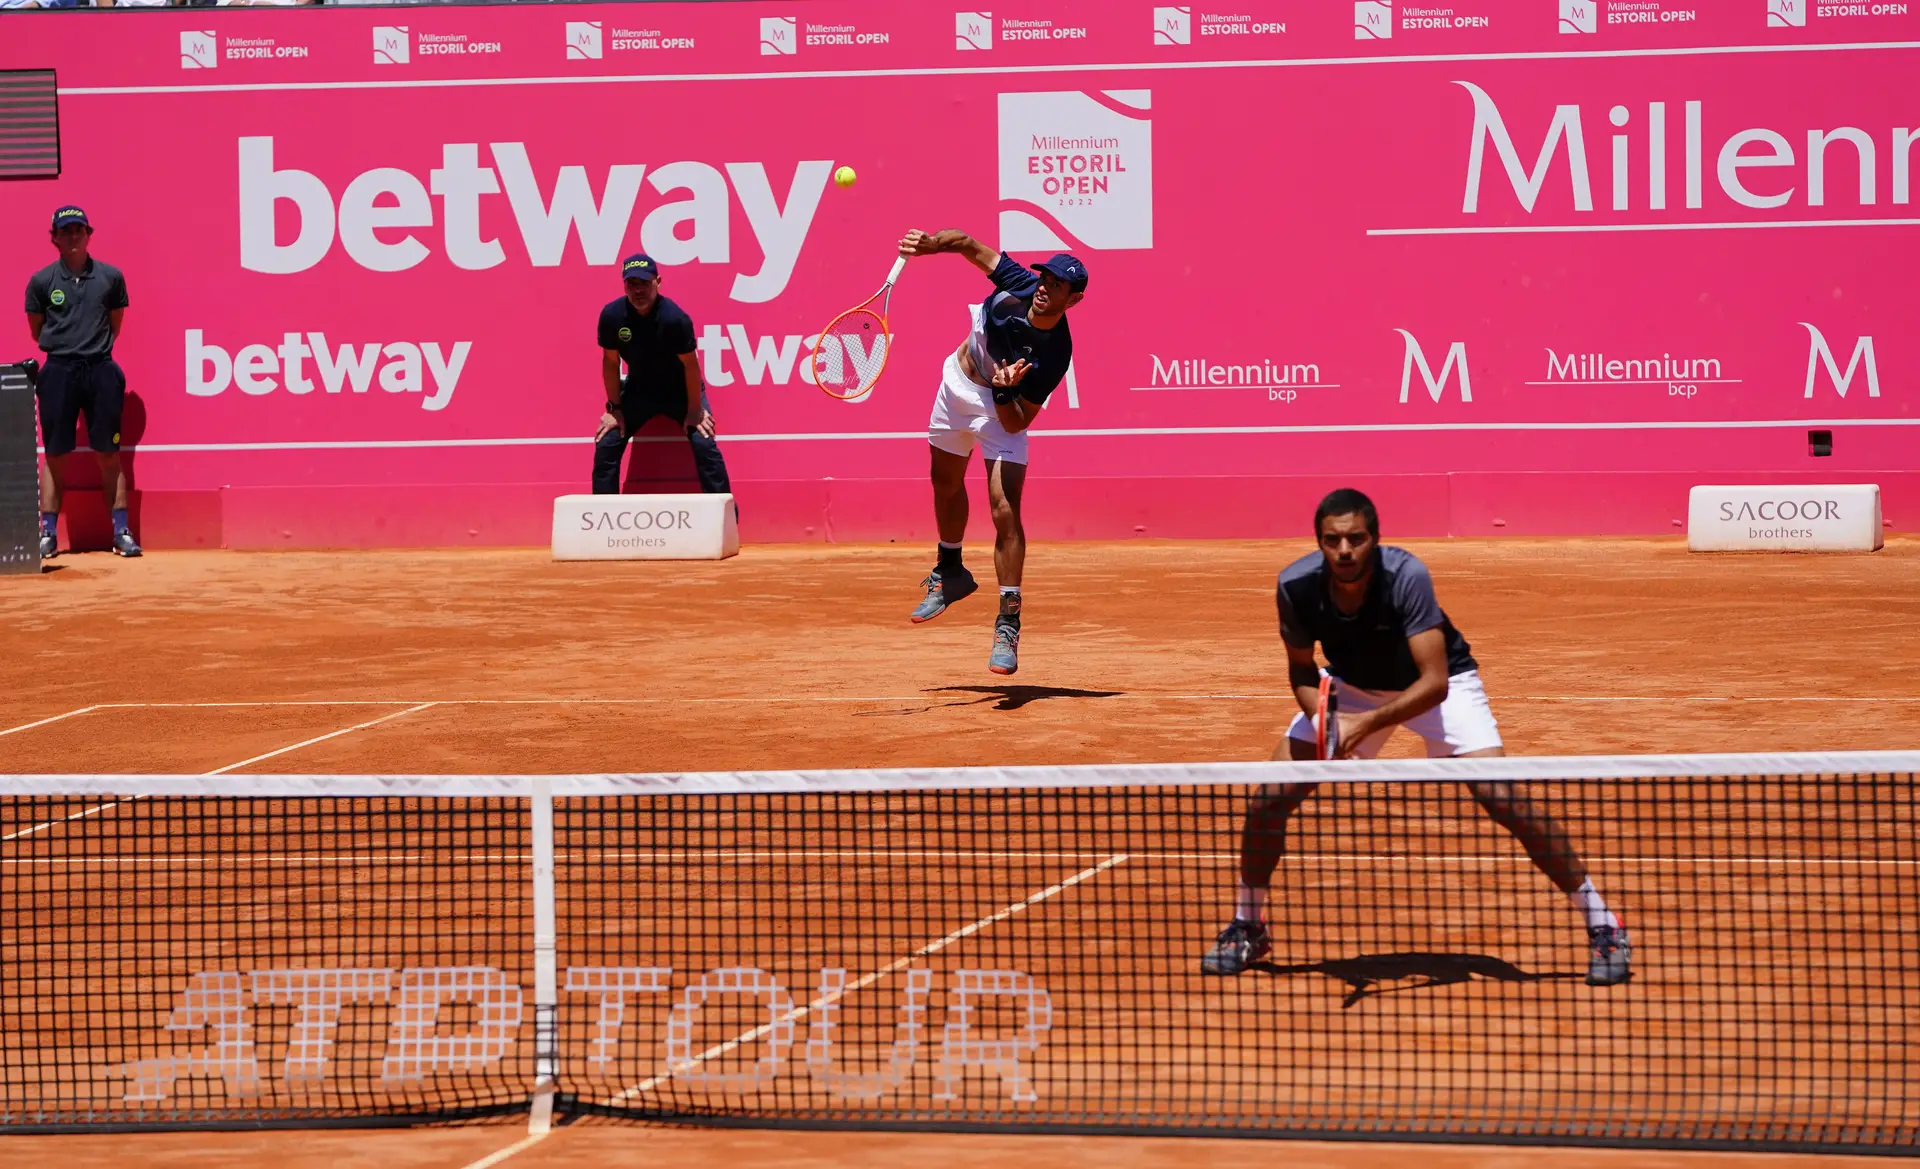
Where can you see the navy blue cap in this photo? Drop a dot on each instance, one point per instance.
(69, 214)
(639, 266)
(1066, 268)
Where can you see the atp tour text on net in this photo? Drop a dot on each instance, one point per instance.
(215, 1016)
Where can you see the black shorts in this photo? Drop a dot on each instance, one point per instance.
(72, 386)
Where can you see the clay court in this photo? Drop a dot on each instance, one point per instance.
(800, 657)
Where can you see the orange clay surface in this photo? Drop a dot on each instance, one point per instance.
(802, 657)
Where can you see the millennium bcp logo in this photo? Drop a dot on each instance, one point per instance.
(972, 30)
(779, 36)
(1579, 16)
(391, 45)
(199, 50)
(1372, 20)
(584, 41)
(1173, 26)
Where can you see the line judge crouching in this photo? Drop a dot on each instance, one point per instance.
(654, 337)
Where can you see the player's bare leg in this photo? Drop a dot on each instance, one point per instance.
(949, 474)
(1552, 852)
(949, 581)
(1005, 482)
(1263, 841)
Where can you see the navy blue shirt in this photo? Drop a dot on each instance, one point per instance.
(651, 345)
(1002, 334)
(78, 309)
(1369, 648)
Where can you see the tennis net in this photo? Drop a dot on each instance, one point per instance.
(975, 948)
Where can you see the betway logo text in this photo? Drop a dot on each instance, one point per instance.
(399, 367)
(371, 216)
(1740, 161)
(776, 359)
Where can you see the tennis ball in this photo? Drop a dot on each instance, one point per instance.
(844, 176)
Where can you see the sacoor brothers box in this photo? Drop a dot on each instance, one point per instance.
(645, 527)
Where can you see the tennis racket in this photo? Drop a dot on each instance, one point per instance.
(1326, 722)
(852, 351)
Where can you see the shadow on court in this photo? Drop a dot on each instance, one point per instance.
(1002, 697)
(1015, 697)
(1364, 974)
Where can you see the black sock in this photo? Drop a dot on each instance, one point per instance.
(949, 558)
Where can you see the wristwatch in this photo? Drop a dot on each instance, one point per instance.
(612, 407)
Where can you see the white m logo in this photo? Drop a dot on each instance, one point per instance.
(1456, 355)
(1818, 353)
(1488, 126)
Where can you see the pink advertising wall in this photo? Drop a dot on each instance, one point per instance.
(1520, 266)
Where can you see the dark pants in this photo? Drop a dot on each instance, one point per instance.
(70, 387)
(708, 464)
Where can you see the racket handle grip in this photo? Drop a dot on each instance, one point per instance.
(899, 266)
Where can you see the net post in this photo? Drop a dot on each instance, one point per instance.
(546, 982)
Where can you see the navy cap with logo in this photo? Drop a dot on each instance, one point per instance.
(69, 214)
(1067, 268)
(639, 266)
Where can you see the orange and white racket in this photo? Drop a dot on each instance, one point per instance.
(852, 350)
(1326, 722)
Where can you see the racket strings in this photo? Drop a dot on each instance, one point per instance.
(851, 353)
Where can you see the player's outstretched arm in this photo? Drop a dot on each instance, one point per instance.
(921, 243)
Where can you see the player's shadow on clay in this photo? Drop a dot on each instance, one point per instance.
(1365, 974)
(1002, 697)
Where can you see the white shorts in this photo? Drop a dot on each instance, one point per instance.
(1462, 722)
(963, 417)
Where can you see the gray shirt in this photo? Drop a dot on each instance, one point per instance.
(1368, 649)
(76, 308)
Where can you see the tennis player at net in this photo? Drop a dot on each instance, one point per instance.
(991, 389)
(1396, 660)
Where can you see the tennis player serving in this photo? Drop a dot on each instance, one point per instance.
(991, 389)
(1395, 660)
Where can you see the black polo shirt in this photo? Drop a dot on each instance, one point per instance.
(76, 307)
(651, 345)
(1368, 649)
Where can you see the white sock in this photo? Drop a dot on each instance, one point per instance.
(1006, 590)
(1593, 911)
(1251, 904)
(944, 544)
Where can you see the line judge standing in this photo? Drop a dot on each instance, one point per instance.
(654, 337)
(75, 307)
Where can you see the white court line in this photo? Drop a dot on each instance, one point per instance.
(514, 1149)
(98, 808)
(936, 697)
(43, 722)
(803, 854)
(869, 979)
